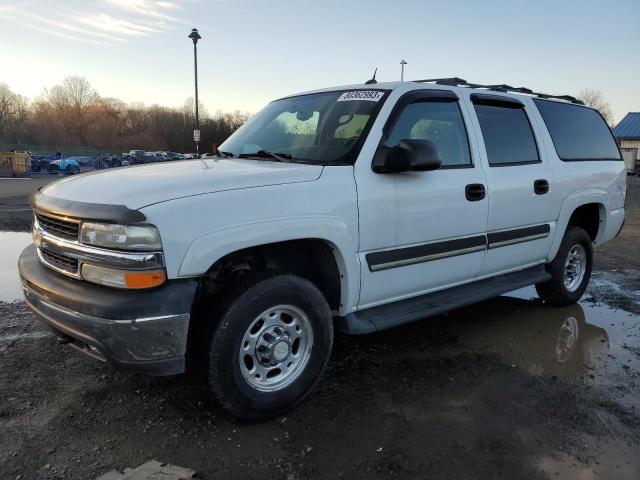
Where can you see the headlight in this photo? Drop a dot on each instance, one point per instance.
(112, 277)
(122, 237)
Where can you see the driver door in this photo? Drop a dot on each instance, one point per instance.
(422, 231)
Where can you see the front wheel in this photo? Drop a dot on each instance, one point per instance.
(570, 269)
(271, 345)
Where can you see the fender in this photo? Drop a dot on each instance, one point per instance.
(569, 205)
(208, 248)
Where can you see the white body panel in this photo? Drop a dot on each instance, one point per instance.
(206, 209)
(199, 230)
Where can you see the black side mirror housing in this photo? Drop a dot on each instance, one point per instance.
(417, 155)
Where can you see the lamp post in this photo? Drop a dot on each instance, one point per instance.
(402, 64)
(195, 36)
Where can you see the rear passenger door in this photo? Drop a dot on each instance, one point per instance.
(523, 203)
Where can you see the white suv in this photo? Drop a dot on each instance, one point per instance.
(374, 205)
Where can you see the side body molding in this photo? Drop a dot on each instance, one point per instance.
(205, 250)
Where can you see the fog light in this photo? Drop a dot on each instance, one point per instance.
(111, 277)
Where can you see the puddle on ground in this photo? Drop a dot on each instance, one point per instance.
(591, 343)
(11, 246)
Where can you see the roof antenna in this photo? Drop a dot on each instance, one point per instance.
(373, 79)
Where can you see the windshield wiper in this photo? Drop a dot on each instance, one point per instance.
(280, 157)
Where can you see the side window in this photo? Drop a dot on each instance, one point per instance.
(507, 133)
(438, 122)
(578, 133)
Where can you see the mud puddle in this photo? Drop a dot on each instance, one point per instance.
(11, 245)
(591, 343)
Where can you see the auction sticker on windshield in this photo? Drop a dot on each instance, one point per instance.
(366, 95)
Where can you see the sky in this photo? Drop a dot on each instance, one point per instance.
(255, 51)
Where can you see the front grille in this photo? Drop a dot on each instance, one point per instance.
(60, 260)
(58, 227)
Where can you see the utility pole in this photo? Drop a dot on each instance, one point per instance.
(195, 36)
(402, 64)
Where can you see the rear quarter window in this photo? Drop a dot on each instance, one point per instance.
(578, 133)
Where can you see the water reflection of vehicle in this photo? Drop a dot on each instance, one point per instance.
(541, 340)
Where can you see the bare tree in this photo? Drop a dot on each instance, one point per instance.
(595, 99)
(13, 114)
(73, 114)
(71, 102)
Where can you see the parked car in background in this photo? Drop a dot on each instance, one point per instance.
(76, 164)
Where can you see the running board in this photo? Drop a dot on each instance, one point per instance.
(405, 311)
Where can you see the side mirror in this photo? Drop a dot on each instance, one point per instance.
(418, 155)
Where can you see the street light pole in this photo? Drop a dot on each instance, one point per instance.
(195, 36)
(402, 63)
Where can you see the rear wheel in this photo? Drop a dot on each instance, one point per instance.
(570, 270)
(271, 345)
(73, 169)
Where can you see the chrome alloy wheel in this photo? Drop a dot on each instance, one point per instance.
(276, 348)
(575, 267)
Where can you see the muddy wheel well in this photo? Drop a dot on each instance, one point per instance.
(312, 259)
(587, 217)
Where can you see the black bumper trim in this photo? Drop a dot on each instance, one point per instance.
(147, 332)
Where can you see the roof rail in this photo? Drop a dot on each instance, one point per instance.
(461, 82)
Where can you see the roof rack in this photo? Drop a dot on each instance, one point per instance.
(461, 82)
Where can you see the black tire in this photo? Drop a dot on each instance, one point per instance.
(73, 170)
(248, 300)
(554, 292)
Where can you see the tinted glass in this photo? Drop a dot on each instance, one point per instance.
(507, 135)
(438, 122)
(320, 128)
(578, 133)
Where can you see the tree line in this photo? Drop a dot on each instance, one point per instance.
(73, 114)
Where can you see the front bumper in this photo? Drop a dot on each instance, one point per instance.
(145, 330)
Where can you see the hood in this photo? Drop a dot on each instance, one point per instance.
(142, 185)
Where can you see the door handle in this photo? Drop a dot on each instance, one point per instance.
(541, 186)
(474, 192)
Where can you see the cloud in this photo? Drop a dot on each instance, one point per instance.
(103, 22)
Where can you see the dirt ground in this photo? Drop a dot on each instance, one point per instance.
(504, 389)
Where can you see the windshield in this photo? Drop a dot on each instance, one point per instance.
(326, 128)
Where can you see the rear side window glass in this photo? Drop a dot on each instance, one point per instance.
(438, 122)
(578, 133)
(507, 134)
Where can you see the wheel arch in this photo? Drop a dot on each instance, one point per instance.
(310, 258)
(290, 244)
(588, 210)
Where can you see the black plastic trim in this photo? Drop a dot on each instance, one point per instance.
(517, 235)
(83, 210)
(515, 164)
(423, 253)
(495, 100)
(409, 310)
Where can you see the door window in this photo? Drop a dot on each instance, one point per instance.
(438, 122)
(507, 133)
